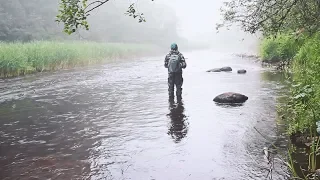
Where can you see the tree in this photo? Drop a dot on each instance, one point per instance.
(74, 13)
(28, 20)
(272, 16)
(22, 20)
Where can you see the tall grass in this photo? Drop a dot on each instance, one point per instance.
(23, 58)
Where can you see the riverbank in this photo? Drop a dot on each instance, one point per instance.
(18, 59)
(301, 111)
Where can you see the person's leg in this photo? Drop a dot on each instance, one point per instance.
(171, 84)
(178, 83)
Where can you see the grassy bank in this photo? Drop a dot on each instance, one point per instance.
(24, 58)
(302, 109)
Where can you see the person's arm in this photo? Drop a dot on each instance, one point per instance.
(166, 61)
(183, 61)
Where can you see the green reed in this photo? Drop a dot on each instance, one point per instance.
(23, 58)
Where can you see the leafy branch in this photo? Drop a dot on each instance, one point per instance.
(74, 13)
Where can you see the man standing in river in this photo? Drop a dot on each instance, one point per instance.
(175, 62)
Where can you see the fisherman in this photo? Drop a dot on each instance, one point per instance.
(175, 62)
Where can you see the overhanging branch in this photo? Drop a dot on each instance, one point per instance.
(95, 7)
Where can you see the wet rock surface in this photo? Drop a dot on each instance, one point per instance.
(242, 71)
(224, 69)
(214, 70)
(230, 97)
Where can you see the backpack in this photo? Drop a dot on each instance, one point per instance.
(174, 63)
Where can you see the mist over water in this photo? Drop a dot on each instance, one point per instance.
(188, 22)
(197, 22)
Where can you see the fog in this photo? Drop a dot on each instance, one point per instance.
(196, 18)
(197, 22)
(190, 23)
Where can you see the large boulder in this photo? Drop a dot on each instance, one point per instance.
(214, 70)
(230, 98)
(242, 71)
(227, 68)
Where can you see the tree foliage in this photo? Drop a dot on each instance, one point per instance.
(74, 13)
(35, 20)
(27, 20)
(272, 16)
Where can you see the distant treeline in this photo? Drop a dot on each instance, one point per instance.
(27, 20)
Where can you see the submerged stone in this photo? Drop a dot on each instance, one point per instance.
(230, 97)
(227, 68)
(242, 71)
(214, 70)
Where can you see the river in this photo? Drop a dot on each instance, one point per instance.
(115, 122)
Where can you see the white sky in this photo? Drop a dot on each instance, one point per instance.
(197, 20)
(196, 16)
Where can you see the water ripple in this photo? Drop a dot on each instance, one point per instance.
(115, 122)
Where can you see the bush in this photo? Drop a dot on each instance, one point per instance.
(280, 48)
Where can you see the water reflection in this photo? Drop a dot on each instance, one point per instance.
(274, 76)
(178, 127)
(229, 105)
(34, 144)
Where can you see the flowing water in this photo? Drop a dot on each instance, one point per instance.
(115, 122)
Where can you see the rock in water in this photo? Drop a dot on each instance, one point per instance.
(214, 70)
(242, 71)
(226, 69)
(230, 97)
